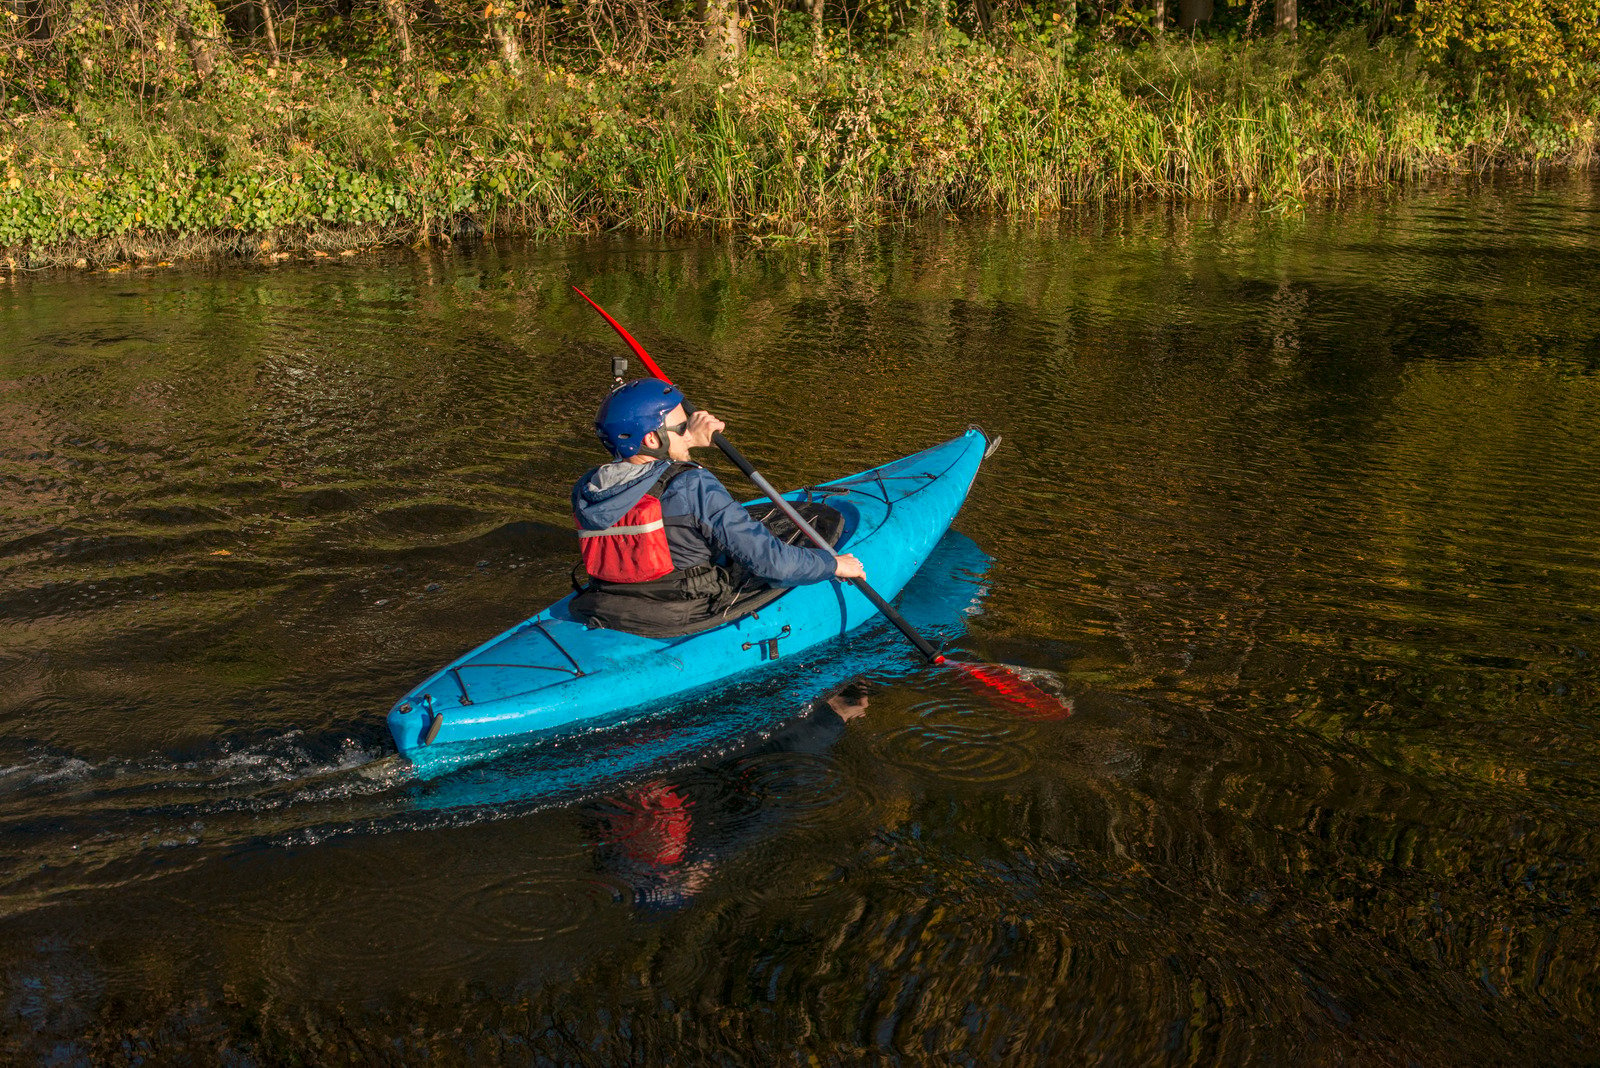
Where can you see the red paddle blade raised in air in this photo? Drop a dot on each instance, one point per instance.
(1013, 687)
(638, 349)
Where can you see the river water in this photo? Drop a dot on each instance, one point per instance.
(1299, 514)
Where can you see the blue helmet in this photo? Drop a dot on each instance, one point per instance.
(633, 410)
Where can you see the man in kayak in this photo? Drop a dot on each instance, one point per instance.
(665, 545)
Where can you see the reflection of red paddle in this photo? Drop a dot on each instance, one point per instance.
(1000, 679)
(1032, 700)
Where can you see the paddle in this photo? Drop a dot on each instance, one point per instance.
(999, 678)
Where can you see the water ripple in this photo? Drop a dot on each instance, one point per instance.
(951, 742)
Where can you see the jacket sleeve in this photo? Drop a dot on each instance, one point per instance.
(750, 543)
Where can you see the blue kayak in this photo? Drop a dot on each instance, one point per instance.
(715, 723)
(553, 672)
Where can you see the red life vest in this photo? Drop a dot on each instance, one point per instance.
(634, 548)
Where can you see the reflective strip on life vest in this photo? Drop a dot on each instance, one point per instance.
(644, 528)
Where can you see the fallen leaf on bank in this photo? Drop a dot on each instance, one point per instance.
(221, 552)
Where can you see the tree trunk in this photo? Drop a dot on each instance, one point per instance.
(504, 32)
(594, 33)
(33, 19)
(267, 24)
(1192, 13)
(724, 37)
(816, 27)
(1286, 18)
(400, 23)
(198, 29)
(1158, 19)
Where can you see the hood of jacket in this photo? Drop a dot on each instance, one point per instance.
(605, 494)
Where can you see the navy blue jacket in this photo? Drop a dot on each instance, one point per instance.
(721, 529)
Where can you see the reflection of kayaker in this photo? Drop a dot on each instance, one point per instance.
(646, 834)
(665, 545)
(823, 723)
(643, 837)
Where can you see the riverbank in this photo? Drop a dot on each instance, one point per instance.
(318, 155)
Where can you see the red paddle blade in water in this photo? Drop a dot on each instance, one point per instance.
(1013, 687)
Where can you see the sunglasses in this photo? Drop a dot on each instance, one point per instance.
(675, 428)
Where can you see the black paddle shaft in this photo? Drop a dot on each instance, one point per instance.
(922, 644)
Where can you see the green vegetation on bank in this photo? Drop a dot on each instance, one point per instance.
(210, 132)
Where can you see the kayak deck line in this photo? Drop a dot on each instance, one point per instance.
(820, 494)
(575, 670)
(857, 485)
(926, 476)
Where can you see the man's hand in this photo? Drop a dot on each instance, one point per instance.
(702, 424)
(846, 566)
